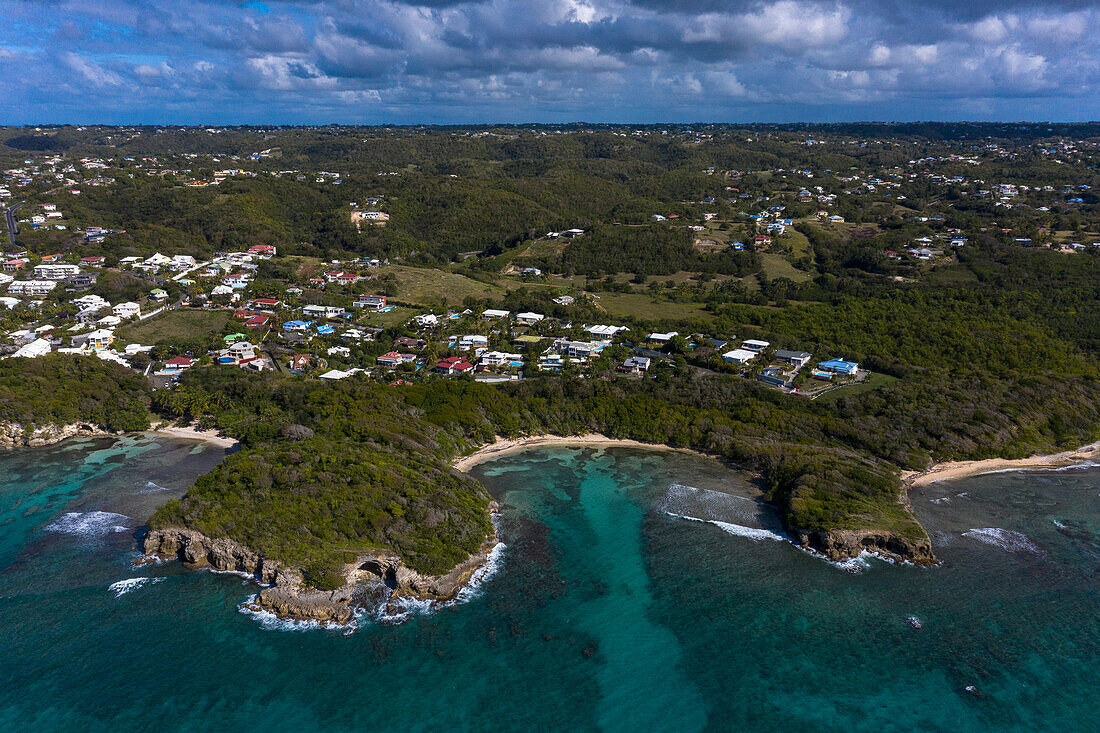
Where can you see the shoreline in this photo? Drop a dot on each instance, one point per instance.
(506, 446)
(192, 433)
(959, 469)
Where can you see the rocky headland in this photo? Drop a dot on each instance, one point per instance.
(18, 435)
(289, 596)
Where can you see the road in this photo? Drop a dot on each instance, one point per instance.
(12, 228)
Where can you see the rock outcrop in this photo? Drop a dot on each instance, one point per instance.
(17, 435)
(289, 596)
(843, 544)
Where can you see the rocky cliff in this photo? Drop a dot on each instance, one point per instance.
(289, 596)
(17, 435)
(842, 544)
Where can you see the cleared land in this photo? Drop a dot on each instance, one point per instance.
(175, 324)
(643, 306)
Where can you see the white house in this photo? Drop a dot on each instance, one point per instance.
(31, 287)
(605, 331)
(754, 345)
(426, 320)
(498, 358)
(55, 271)
(472, 341)
(494, 313)
(739, 356)
(127, 310)
(529, 319)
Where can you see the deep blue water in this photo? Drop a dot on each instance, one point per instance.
(611, 609)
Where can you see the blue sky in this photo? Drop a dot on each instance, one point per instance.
(442, 61)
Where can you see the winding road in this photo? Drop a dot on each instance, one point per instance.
(13, 228)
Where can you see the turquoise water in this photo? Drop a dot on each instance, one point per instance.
(611, 609)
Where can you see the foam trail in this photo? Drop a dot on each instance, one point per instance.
(89, 524)
(1005, 539)
(752, 533)
(127, 585)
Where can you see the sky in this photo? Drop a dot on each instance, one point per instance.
(516, 61)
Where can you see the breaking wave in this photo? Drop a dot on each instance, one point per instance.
(738, 530)
(122, 587)
(89, 524)
(1005, 539)
(271, 622)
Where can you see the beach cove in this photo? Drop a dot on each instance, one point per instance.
(622, 598)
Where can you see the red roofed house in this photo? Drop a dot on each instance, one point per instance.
(263, 305)
(93, 261)
(256, 322)
(454, 365)
(262, 250)
(347, 278)
(17, 264)
(393, 359)
(177, 364)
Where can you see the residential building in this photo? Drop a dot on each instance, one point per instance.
(529, 319)
(496, 359)
(754, 345)
(100, 339)
(796, 358)
(839, 366)
(31, 287)
(55, 271)
(472, 341)
(494, 313)
(371, 302)
(394, 359)
(636, 365)
(453, 365)
(127, 310)
(739, 356)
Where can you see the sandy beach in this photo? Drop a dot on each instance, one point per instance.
(503, 446)
(958, 469)
(193, 433)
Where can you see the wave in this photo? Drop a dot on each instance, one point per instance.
(271, 622)
(1048, 469)
(1005, 539)
(127, 585)
(89, 524)
(152, 488)
(752, 533)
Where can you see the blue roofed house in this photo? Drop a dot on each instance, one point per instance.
(297, 325)
(839, 366)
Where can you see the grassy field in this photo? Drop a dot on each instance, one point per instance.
(778, 266)
(641, 305)
(874, 381)
(392, 318)
(432, 288)
(176, 324)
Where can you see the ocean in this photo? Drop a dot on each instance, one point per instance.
(636, 590)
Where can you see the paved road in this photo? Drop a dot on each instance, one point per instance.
(12, 228)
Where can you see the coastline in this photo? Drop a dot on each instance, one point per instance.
(505, 446)
(958, 469)
(193, 433)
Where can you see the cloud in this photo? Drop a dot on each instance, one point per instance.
(456, 60)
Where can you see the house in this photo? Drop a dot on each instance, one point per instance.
(182, 262)
(797, 358)
(453, 365)
(533, 271)
(334, 374)
(529, 319)
(572, 233)
(17, 264)
(98, 261)
(33, 350)
(839, 366)
(81, 281)
(300, 362)
(323, 311)
(100, 339)
(407, 342)
(256, 322)
(325, 330)
(31, 287)
(426, 320)
(370, 302)
(339, 351)
(264, 305)
(662, 338)
(636, 365)
(89, 315)
(395, 359)
(496, 359)
(158, 294)
(297, 325)
(177, 364)
(605, 331)
(58, 271)
(494, 313)
(578, 349)
(754, 345)
(739, 356)
(564, 300)
(127, 310)
(472, 341)
(551, 362)
(237, 282)
(262, 250)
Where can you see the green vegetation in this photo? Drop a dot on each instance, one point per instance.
(64, 390)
